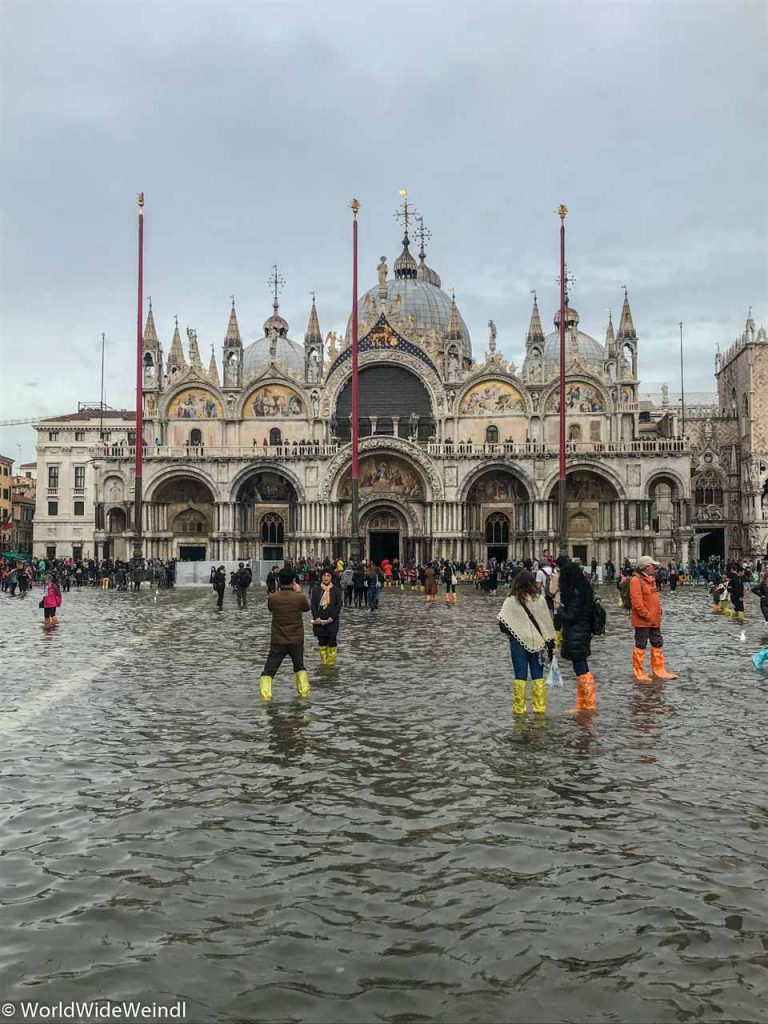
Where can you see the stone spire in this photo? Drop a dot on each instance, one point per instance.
(314, 349)
(535, 330)
(313, 329)
(453, 333)
(176, 360)
(213, 370)
(150, 331)
(233, 352)
(610, 336)
(233, 328)
(194, 353)
(626, 326)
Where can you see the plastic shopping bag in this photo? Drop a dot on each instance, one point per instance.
(760, 660)
(554, 676)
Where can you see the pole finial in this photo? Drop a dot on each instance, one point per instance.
(140, 200)
(562, 211)
(355, 207)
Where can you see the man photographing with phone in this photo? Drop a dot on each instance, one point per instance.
(287, 606)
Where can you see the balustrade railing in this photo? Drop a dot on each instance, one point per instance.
(539, 449)
(452, 449)
(196, 451)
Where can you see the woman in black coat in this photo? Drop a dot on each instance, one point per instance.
(325, 603)
(576, 602)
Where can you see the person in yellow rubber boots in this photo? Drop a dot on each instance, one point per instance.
(646, 619)
(525, 619)
(325, 603)
(287, 606)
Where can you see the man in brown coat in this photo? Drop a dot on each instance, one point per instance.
(287, 606)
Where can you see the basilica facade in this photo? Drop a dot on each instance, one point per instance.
(459, 450)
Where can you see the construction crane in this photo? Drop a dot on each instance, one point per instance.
(16, 423)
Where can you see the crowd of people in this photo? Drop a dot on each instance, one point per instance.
(57, 576)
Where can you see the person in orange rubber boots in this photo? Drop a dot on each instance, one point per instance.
(646, 618)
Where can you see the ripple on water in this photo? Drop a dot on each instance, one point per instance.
(397, 848)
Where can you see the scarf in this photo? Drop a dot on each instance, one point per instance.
(513, 616)
(325, 600)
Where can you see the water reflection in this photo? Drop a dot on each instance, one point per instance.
(398, 847)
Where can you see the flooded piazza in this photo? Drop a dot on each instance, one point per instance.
(396, 848)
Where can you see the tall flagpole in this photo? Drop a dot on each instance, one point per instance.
(682, 381)
(101, 404)
(137, 495)
(562, 530)
(354, 546)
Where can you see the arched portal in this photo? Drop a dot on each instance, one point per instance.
(189, 513)
(265, 516)
(391, 400)
(499, 515)
(384, 529)
(590, 503)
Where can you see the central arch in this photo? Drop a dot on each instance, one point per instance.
(392, 401)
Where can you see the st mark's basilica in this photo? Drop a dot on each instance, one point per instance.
(459, 448)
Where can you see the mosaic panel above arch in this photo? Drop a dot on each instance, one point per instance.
(382, 475)
(497, 485)
(272, 400)
(491, 397)
(195, 404)
(580, 396)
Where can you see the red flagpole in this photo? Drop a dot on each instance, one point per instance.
(137, 494)
(354, 547)
(563, 543)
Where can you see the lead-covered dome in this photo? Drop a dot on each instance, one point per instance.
(274, 347)
(579, 347)
(429, 306)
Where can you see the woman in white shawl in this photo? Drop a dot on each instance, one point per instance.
(526, 620)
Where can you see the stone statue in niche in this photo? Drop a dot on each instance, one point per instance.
(230, 369)
(313, 366)
(149, 374)
(315, 399)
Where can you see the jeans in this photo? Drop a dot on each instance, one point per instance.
(581, 666)
(523, 661)
(242, 596)
(373, 597)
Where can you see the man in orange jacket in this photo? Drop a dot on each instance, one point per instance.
(646, 618)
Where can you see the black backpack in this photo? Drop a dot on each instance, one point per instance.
(598, 618)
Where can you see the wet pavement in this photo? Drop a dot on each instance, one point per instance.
(395, 848)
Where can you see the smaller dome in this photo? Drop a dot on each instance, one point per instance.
(571, 317)
(276, 322)
(405, 264)
(258, 355)
(578, 347)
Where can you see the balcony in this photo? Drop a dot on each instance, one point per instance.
(250, 453)
(544, 450)
(52, 492)
(78, 491)
(438, 449)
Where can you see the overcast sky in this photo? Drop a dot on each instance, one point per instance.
(250, 126)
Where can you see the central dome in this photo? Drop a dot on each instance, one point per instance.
(429, 306)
